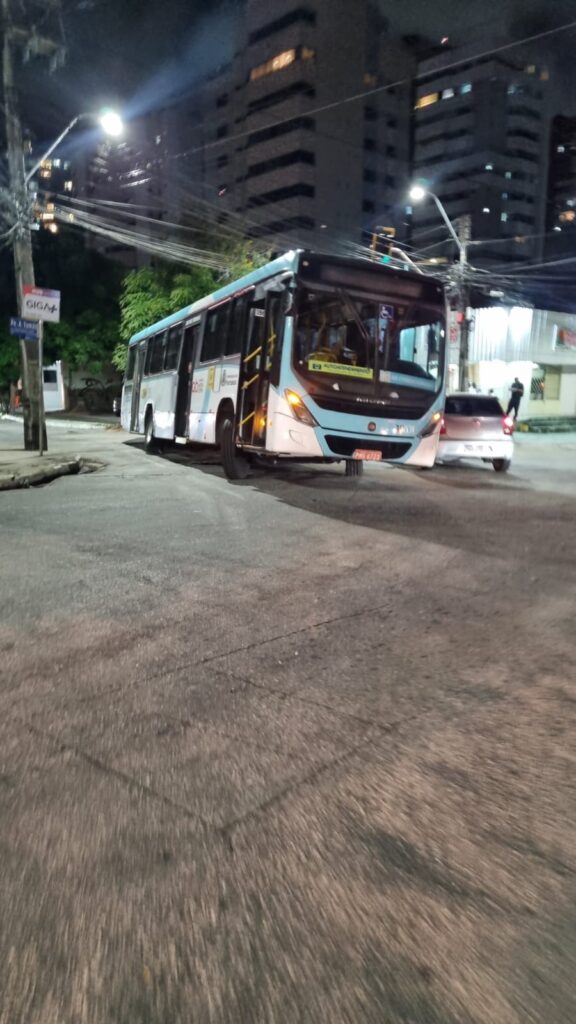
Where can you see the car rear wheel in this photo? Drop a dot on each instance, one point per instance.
(501, 465)
(354, 467)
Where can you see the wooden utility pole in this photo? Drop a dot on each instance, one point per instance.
(19, 37)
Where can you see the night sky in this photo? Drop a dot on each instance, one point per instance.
(136, 53)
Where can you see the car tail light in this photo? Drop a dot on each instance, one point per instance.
(443, 429)
(508, 425)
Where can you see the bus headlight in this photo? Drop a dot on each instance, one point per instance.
(431, 426)
(298, 409)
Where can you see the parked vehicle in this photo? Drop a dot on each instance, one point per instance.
(476, 427)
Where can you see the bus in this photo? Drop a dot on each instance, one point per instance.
(311, 357)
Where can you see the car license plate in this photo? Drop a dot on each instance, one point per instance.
(366, 455)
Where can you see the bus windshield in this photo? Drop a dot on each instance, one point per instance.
(362, 339)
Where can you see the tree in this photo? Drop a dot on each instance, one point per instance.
(151, 293)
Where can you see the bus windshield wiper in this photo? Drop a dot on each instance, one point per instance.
(358, 320)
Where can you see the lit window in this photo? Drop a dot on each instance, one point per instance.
(308, 53)
(508, 174)
(447, 94)
(68, 186)
(512, 88)
(560, 149)
(485, 209)
(55, 162)
(408, 211)
(530, 69)
(504, 217)
(544, 75)
(504, 195)
(467, 87)
(571, 202)
(568, 216)
(281, 60)
(488, 167)
(556, 228)
(158, 140)
(45, 173)
(426, 101)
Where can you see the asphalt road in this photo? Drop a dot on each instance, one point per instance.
(295, 750)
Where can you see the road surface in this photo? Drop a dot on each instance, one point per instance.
(295, 750)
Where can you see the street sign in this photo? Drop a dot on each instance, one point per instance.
(27, 329)
(41, 303)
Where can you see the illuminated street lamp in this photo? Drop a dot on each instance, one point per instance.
(110, 122)
(417, 194)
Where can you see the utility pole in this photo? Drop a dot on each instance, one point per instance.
(464, 230)
(18, 37)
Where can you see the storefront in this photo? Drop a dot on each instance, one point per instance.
(537, 346)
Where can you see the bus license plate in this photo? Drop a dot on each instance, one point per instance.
(366, 455)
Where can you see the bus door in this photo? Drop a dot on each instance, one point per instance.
(137, 383)
(260, 354)
(185, 372)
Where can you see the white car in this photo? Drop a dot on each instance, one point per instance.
(476, 427)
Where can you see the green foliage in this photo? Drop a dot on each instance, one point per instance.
(9, 360)
(85, 341)
(151, 293)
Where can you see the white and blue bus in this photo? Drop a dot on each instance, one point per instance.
(312, 358)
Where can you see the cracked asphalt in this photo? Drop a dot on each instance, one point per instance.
(295, 750)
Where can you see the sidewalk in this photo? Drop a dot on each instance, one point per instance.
(20, 468)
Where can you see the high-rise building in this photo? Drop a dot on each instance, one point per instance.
(561, 206)
(480, 143)
(281, 148)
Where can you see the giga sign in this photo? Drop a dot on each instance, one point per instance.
(40, 303)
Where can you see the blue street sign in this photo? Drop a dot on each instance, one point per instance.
(27, 329)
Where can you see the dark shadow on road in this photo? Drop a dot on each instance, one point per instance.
(412, 503)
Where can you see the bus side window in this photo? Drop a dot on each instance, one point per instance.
(158, 350)
(130, 364)
(215, 333)
(148, 345)
(234, 342)
(173, 347)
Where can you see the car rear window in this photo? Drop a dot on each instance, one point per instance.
(473, 405)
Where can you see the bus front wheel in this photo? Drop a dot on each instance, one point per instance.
(236, 466)
(354, 467)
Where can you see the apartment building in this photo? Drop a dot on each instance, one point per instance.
(481, 143)
(280, 149)
(561, 199)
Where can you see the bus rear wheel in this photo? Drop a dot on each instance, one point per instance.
(151, 443)
(354, 467)
(236, 465)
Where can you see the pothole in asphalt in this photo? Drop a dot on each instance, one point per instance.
(39, 475)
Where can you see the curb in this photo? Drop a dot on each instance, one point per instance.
(45, 474)
(75, 424)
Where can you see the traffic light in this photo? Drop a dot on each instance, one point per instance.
(382, 242)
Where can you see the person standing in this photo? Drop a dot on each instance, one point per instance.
(516, 396)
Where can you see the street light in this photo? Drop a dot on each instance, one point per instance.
(109, 120)
(417, 194)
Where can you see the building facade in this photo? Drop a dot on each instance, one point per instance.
(480, 143)
(280, 149)
(561, 200)
(538, 346)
